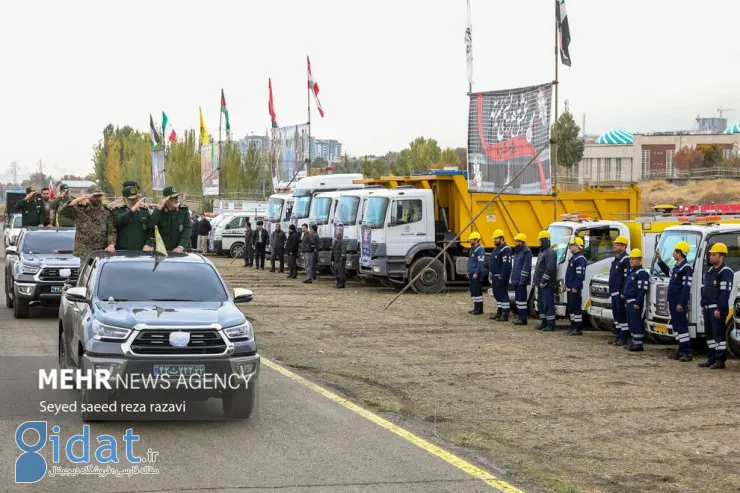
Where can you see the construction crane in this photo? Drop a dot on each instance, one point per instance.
(720, 110)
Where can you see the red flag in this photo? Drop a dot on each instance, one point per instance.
(314, 87)
(272, 106)
(51, 190)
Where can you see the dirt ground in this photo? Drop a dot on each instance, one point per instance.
(543, 410)
(699, 192)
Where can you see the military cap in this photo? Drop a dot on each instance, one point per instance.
(30, 190)
(94, 190)
(130, 183)
(63, 187)
(170, 191)
(131, 192)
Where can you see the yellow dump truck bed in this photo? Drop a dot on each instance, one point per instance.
(513, 214)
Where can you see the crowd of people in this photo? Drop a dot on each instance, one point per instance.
(628, 287)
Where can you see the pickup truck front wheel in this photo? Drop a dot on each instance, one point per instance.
(239, 404)
(432, 279)
(8, 299)
(21, 309)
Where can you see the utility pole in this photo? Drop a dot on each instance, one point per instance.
(14, 169)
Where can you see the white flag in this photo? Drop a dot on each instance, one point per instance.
(469, 46)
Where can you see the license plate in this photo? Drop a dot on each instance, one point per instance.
(661, 329)
(179, 370)
(56, 289)
(596, 311)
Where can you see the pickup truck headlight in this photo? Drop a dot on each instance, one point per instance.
(27, 269)
(102, 332)
(242, 332)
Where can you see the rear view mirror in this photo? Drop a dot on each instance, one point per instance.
(242, 295)
(76, 295)
(11, 250)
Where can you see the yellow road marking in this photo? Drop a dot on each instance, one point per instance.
(452, 459)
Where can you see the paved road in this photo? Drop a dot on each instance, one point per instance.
(298, 441)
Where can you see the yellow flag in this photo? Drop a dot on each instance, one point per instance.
(203, 130)
(159, 247)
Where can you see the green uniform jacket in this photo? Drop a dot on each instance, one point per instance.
(95, 227)
(134, 228)
(57, 204)
(174, 226)
(33, 211)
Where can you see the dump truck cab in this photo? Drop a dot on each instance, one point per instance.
(279, 211)
(348, 214)
(323, 215)
(700, 232)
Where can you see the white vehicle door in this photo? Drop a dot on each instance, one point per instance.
(406, 225)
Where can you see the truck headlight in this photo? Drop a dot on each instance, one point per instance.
(242, 332)
(27, 269)
(103, 332)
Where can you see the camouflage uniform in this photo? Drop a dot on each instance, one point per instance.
(174, 225)
(95, 226)
(60, 202)
(32, 210)
(134, 228)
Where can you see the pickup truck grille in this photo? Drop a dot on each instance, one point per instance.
(157, 342)
(52, 274)
(661, 301)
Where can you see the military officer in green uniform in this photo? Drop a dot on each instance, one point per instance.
(33, 212)
(133, 222)
(59, 202)
(173, 221)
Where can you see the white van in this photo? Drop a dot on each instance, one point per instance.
(229, 237)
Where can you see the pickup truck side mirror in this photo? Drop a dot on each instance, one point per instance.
(76, 294)
(242, 295)
(11, 250)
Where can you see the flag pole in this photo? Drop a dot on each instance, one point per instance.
(308, 94)
(220, 119)
(554, 153)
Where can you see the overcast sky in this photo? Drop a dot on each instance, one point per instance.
(389, 70)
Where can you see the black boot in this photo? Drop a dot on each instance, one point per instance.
(495, 316)
(634, 348)
(520, 322)
(505, 317)
(675, 355)
(575, 332)
(705, 364)
(718, 365)
(685, 358)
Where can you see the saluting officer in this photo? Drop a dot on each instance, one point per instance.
(679, 291)
(59, 202)
(715, 306)
(475, 272)
(133, 221)
(544, 277)
(635, 288)
(574, 276)
(521, 272)
(173, 220)
(33, 212)
(618, 272)
(499, 273)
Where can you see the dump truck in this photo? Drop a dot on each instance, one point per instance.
(418, 215)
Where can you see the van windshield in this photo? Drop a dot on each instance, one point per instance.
(375, 210)
(559, 238)
(301, 207)
(320, 210)
(347, 213)
(274, 209)
(667, 245)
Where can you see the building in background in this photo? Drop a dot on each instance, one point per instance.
(326, 149)
(77, 187)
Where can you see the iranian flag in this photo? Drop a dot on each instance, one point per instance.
(156, 139)
(225, 112)
(272, 105)
(564, 31)
(52, 195)
(169, 132)
(313, 86)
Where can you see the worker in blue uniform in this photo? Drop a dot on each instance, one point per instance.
(635, 288)
(521, 272)
(679, 291)
(476, 262)
(499, 272)
(617, 273)
(574, 277)
(715, 306)
(545, 273)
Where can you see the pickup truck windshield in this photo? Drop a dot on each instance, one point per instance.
(48, 242)
(301, 207)
(347, 213)
(375, 210)
(275, 209)
(320, 210)
(560, 237)
(172, 281)
(666, 246)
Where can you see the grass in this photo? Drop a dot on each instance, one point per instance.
(700, 192)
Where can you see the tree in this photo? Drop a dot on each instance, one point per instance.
(569, 148)
(712, 154)
(182, 163)
(688, 157)
(71, 177)
(462, 157)
(449, 158)
(319, 163)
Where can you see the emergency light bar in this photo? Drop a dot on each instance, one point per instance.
(574, 216)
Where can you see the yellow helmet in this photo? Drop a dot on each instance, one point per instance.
(682, 247)
(545, 234)
(498, 234)
(718, 248)
(474, 236)
(577, 241)
(622, 240)
(521, 237)
(636, 253)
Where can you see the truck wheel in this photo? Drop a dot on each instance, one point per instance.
(239, 404)
(89, 398)
(65, 360)
(21, 308)
(236, 250)
(8, 299)
(733, 340)
(432, 281)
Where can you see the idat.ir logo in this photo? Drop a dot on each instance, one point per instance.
(32, 436)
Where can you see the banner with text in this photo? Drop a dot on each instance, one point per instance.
(506, 129)
(289, 148)
(158, 177)
(209, 169)
(366, 246)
